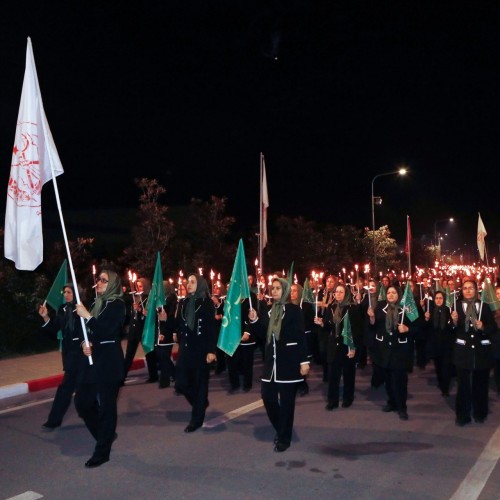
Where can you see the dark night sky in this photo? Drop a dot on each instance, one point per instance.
(189, 92)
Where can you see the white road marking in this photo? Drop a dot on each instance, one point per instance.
(472, 485)
(27, 405)
(27, 495)
(210, 424)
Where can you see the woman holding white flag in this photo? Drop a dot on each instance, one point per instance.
(95, 401)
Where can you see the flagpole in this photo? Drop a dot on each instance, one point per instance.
(261, 213)
(408, 242)
(70, 261)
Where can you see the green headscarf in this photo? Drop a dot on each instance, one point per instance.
(200, 293)
(112, 292)
(277, 311)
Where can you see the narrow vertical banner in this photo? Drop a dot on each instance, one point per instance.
(481, 233)
(230, 332)
(408, 244)
(263, 206)
(35, 161)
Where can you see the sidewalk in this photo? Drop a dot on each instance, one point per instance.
(36, 372)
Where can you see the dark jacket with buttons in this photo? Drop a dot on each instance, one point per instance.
(391, 349)
(473, 348)
(283, 357)
(194, 345)
(105, 334)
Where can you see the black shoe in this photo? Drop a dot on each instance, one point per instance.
(96, 462)
(276, 439)
(50, 425)
(331, 406)
(346, 404)
(462, 422)
(303, 391)
(403, 415)
(479, 420)
(247, 389)
(115, 437)
(191, 428)
(281, 447)
(151, 380)
(445, 394)
(164, 384)
(387, 408)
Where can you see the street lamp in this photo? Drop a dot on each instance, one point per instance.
(377, 200)
(436, 241)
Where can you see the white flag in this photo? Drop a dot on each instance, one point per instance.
(481, 233)
(265, 204)
(34, 162)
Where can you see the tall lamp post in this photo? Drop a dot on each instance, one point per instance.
(378, 200)
(437, 242)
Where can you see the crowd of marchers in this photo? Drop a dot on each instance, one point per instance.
(337, 324)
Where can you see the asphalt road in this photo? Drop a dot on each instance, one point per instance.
(358, 452)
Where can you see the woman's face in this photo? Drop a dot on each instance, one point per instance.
(102, 283)
(372, 286)
(294, 292)
(497, 293)
(339, 293)
(391, 295)
(439, 299)
(330, 283)
(192, 284)
(276, 290)
(68, 294)
(469, 290)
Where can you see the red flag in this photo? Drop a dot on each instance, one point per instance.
(408, 236)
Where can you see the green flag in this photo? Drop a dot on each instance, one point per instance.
(489, 296)
(381, 293)
(55, 297)
(347, 332)
(230, 332)
(439, 288)
(156, 299)
(408, 304)
(307, 294)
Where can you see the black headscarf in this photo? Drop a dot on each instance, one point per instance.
(470, 311)
(200, 293)
(339, 307)
(439, 316)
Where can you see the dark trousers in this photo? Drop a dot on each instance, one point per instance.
(193, 384)
(152, 364)
(279, 401)
(241, 364)
(167, 367)
(344, 367)
(64, 393)
(472, 394)
(132, 345)
(96, 405)
(221, 360)
(443, 366)
(396, 387)
(496, 373)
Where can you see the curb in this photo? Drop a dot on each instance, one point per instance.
(8, 391)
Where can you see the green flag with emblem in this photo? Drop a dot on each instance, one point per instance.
(489, 296)
(347, 332)
(55, 297)
(230, 331)
(156, 299)
(408, 304)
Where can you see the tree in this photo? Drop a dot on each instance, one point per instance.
(154, 231)
(386, 247)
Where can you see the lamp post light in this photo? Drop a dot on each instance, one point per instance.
(436, 240)
(377, 200)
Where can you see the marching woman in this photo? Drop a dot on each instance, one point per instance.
(341, 346)
(440, 339)
(197, 341)
(474, 324)
(73, 359)
(285, 362)
(392, 340)
(96, 398)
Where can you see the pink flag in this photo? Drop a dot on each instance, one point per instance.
(34, 162)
